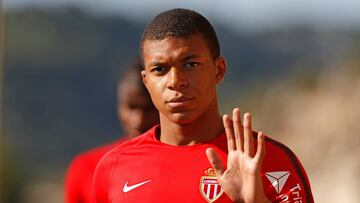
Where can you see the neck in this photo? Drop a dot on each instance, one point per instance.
(206, 127)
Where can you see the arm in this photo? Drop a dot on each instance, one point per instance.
(284, 170)
(241, 181)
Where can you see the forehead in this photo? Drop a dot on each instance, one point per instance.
(175, 47)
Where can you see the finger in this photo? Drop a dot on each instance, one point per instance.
(260, 152)
(229, 133)
(248, 138)
(215, 161)
(238, 129)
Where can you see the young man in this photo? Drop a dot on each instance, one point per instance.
(136, 113)
(182, 159)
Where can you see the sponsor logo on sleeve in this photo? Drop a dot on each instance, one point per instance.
(278, 179)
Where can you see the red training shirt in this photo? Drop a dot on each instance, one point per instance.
(80, 172)
(146, 170)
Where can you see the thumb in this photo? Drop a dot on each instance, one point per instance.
(215, 161)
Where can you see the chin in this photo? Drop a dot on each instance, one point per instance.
(182, 119)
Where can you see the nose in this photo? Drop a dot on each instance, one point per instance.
(177, 79)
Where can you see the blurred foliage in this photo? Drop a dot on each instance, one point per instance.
(61, 67)
(321, 125)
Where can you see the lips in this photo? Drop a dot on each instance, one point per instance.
(181, 101)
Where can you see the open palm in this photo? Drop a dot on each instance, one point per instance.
(241, 180)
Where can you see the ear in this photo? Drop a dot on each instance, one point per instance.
(144, 79)
(220, 69)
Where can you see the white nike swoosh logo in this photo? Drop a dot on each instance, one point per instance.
(129, 188)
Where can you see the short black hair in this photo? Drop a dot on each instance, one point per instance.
(181, 23)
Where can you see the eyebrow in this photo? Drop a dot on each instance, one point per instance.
(156, 63)
(191, 56)
(186, 58)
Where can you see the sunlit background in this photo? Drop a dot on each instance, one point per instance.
(294, 64)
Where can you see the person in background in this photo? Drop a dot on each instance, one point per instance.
(136, 114)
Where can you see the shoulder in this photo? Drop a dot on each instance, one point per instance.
(112, 159)
(281, 164)
(278, 155)
(277, 151)
(145, 138)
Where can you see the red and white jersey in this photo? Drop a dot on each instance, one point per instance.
(146, 170)
(78, 179)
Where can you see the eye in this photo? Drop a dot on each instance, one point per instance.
(191, 65)
(158, 69)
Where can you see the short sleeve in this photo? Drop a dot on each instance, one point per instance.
(284, 177)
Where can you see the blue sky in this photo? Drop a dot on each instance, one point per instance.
(238, 13)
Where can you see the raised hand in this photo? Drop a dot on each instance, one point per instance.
(241, 180)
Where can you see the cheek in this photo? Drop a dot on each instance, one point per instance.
(204, 84)
(156, 89)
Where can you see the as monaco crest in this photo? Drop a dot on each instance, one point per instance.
(209, 187)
